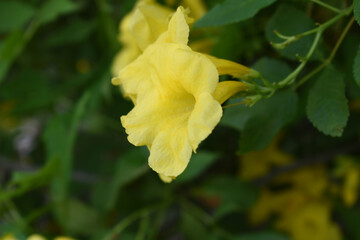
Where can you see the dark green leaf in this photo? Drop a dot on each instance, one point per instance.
(77, 31)
(272, 69)
(198, 164)
(289, 21)
(357, 10)
(81, 219)
(231, 192)
(327, 106)
(231, 11)
(262, 126)
(55, 8)
(192, 228)
(357, 67)
(14, 14)
(129, 167)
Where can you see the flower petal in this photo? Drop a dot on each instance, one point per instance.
(205, 116)
(227, 89)
(170, 152)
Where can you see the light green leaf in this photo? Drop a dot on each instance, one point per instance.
(357, 67)
(129, 166)
(262, 126)
(231, 11)
(289, 21)
(357, 10)
(327, 106)
(55, 8)
(198, 164)
(14, 14)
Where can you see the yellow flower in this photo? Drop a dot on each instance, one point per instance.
(177, 99)
(141, 27)
(8, 237)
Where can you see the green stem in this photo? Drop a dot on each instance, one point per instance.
(330, 58)
(290, 79)
(334, 9)
(122, 225)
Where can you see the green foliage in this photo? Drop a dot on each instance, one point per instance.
(55, 8)
(288, 20)
(327, 106)
(198, 164)
(356, 67)
(231, 11)
(357, 10)
(262, 126)
(263, 235)
(14, 14)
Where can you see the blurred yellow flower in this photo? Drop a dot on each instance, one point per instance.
(256, 164)
(8, 237)
(311, 222)
(36, 237)
(349, 170)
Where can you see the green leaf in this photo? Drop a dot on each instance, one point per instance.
(289, 21)
(262, 236)
(192, 228)
(81, 219)
(357, 67)
(262, 126)
(197, 165)
(59, 138)
(272, 69)
(129, 167)
(231, 192)
(327, 106)
(30, 90)
(14, 14)
(357, 10)
(55, 8)
(74, 32)
(350, 218)
(231, 11)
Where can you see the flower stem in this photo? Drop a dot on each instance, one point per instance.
(331, 56)
(334, 9)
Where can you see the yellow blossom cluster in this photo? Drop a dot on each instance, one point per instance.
(299, 200)
(175, 90)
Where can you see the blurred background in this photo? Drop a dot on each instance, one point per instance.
(66, 167)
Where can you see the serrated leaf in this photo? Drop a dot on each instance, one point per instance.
(327, 106)
(260, 128)
(14, 14)
(357, 10)
(231, 11)
(54, 8)
(198, 164)
(289, 21)
(357, 67)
